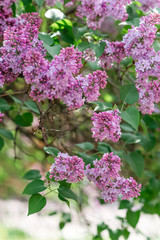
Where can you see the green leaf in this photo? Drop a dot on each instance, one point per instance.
(136, 162)
(87, 158)
(66, 192)
(1, 143)
(64, 200)
(133, 217)
(36, 203)
(6, 133)
(51, 151)
(87, 146)
(102, 106)
(83, 46)
(131, 116)
(32, 175)
(16, 100)
(34, 187)
(129, 94)
(54, 14)
(126, 127)
(126, 61)
(46, 38)
(24, 120)
(79, 32)
(99, 48)
(129, 138)
(39, 2)
(125, 204)
(103, 147)
(4, 105)
(156, 46)
(54, 50)
(32, 106)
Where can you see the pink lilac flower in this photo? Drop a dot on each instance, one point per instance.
(1, 116)
(18, 40)
(106, 125)
(105, 175)
(114, 52)
(138, 40)
(149, 4)
(6, 18)
(69, 168)
(35, 70)
(149, 94)
(89, 55)
(96, 11)
(70, 86)
(138, 44)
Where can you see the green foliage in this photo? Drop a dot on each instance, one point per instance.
(66, 192)
(136, 162)
(131, 116)
(24, 120)
(34, 187)
(1, 143)
(32, 175)
(129, 94)
(133, 217)
(4, 105)
(32, 106)
(86, 146)
(6, 133)
(36, 203)
(51, 151)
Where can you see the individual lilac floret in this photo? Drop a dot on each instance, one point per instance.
(69, 168)
(105, 175)
(106, 125)
(1, 116)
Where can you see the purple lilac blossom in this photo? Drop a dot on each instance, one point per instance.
(69, 168)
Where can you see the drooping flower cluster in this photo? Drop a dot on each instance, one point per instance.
(96, 11)
(18, 40)
(6, 18)
(1, 116)
(105, 175)
(149, 4)
(138, 44)
(106, 125)
(114, 52)
(23, 53)
(69, 168)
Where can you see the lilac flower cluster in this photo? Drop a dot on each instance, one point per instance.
(95, 12)
(114, 52)
(69, 168)
(149, 4)
(106, 125)
(1, 116)
(138, 44)
(105, 175)
(18, 40)
(6, 18)
(23, 53)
